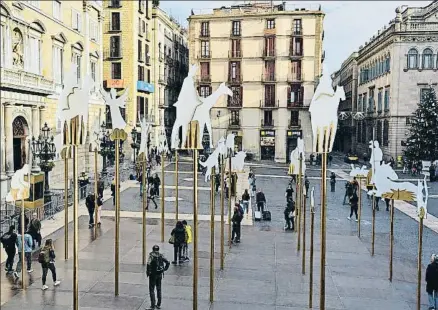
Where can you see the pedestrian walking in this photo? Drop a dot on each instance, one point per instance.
(158, 159)
(236, 220)
(28, 243)
(330, 159)
(245, 201)
(89, 203)
(333, 181)
(151, 193)
(253, 189)
(260, 200)
(26, 221)
(156, 184)
(47, 260)
(432, 282)
(353, 206)
(387, 202)
(289, 192)
(35, 230)
(307, 185)
(348, 191)
(100, 187)
(377, 199)
(289, 215)
(140, 180)
(156, 266)
(178, 238)
(9, 241)
(113, 191)
(355, 185)
(188, 231)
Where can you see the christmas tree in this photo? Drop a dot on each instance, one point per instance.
(422, 143)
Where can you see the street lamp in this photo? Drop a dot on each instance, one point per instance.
(44, 149)
(135, 146)
(105, 146)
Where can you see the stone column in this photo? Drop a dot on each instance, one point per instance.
(9, 140)
(3, 143)
(35, 122)
(41, 118)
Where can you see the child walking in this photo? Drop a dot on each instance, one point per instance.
(188, 230)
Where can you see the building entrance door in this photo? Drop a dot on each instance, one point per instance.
(20, 131)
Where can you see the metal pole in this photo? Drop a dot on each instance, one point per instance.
(162, 196)
(312, 231)
(323, 231)
(75, 227)
(144, 198)
(195, 230)
(373, 227)
(117, 222)
(22, 242)
(359, 205)
(96, 207)
(229, 199)
(303, 263)
(299, 202)
(66, 206)
(391, 240)
(176, 184)
(420, 253)
(222, 213)
(212, 215)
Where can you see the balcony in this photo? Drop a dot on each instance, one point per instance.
(114, 27)
(234, 123)
(295, 54)
(268, 53)
(113, 54)
(234, 103)
(294, 77)
(268, 78)
(148, 60)
(298, 32)
(114, 83)
(204, 33)
(268, 123)
(204, 55)
(26, 81)
(237, 79)
(293, 123)
(204, 78)
(234, 54)
(296, 104)
(162, 79)
(146, 87)
(269, 104)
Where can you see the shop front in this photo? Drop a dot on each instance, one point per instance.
(291, 141)
(267, 144)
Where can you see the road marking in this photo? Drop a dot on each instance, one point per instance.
(202, 188)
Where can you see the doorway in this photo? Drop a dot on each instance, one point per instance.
(20, 131)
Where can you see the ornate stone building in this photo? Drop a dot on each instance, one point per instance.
(270, 57)
(40, 41)
(395, 66)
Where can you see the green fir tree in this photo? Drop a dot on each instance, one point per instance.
(422, 143)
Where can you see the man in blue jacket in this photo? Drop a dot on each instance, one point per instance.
(28, 243)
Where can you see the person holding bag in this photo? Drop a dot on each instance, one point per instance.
(47, 260)
(178, 239)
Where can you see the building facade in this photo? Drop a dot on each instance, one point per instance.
(40, 42)
(127, 62)
(170, 58)
(395, 67)
(270, 58)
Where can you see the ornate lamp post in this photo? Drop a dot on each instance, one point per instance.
(44, 149)
(135, 145)
(105, 147)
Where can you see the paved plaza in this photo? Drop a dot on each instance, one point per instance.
(263, 272)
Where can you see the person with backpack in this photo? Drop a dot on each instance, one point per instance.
(289, 215)
(47, 260)
(188, 230)
(28, 243)
(178, 237)
(89, 203)
(9, 241)
(236, 220)
(348, 191)
(35, 230)
(156, 266)
(353, 206)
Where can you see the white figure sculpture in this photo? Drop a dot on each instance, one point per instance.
(358, 172)
(324, 114)
(422, 198)
(212, 161)
(295, 158)
(162, 143)
(222, 147)
(115, 103)
(202, 113)
(375, 158)
(238, 161)
(145, 127)
(188, 101)
(95, 131)
(230, 143)
(19, 187)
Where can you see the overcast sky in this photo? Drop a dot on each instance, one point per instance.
(347, 24)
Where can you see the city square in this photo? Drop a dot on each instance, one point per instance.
(162, 168)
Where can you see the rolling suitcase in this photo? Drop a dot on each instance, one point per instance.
(257, 215)
(266, 214)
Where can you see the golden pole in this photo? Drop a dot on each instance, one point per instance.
(22, 241)
(162, 196)
(144, 199)
(176, 184)
(222, 213)
(299, 202)
(420, 253)
(195, 230)
(323, 230)
(359, 206)
(117, 222)
(312, 231)
(391, 240)
(229, 199)
(96, 178)
(303, 263)
(75, 226)
(373, 227)
(212, 211)
(66, 205)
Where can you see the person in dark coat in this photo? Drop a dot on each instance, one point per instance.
(35, 230)
(260, 200)
(353, 206)
(156, 266)
(288, 215)
(26, 222)
(236, 220)
(90, 204)
(179, 239)
(348, 191)
(9, 241)
(289, 192)
(432, 282)
(333, 181)
(157, 183)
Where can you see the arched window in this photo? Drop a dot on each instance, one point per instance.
(412, 59)
(427, 59)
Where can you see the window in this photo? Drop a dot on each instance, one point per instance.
(143, 26)
(205, 91)
(379, 131)
(234, 71)
(427, 59)
(57, 9)
(116, 70)
(379, 100)
(76, 60)
(371, 101)
(236, 28)
(35, 51)
(294, 118)
(412, 59)
(424, 92)
(270, 46)
(235, 48)
(148, 75)
(297, 24)
(296, 70)
(147, 56)
(115, 50)
(140, 73)
(57, 64)
(93, 66)
(268, 121)
(115, 21)
(140, 51)
(205, 70)
(76, 20)
(94, 31)
(236, 99)
(3, 44)
(385, 132)
(114, 3)
(388, 64)
(386, 99)
(205, 49)
(270, 70)
(295, 95)
(270, 24)
(296, 46)
(139, 27)
(140, 5)
(364, 102)
(269, 95)
(235, 118)
(141, 107)
(205, 29)
(359, 103)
